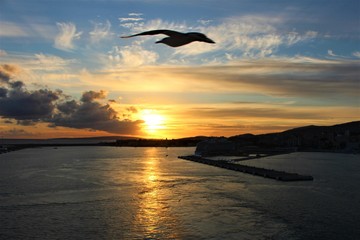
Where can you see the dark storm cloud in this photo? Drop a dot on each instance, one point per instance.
(21, 104)
(27, 122)
(92, 95)
(16, 84)
(68, 107)
(91, 114)
(4, 77)
(44, 105)
(3, 92)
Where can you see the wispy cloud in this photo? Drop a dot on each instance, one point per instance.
(45, 69)
(298, 76)
(204, 22)
(130, 56)
(245, 36)
(46, 62)
(161, 24)
(2, 53)
(100, 32)
(11, 29)
(356, 54)
(248, 36)
(67, 34)
(132, 20)
(294, 37)
(31, 28)
(331, 53)
(285, 76)
(136, 14)
(44, 30)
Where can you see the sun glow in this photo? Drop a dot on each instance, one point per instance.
(153, 122)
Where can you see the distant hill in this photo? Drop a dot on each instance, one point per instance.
(89, 140)
(180, 142)
(344, 136)
(341, 136)
(350, 126)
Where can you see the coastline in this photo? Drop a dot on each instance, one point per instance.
(5, 148)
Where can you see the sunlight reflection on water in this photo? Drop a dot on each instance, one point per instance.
(148, 193)
(153, 212)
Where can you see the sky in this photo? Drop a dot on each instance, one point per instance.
(276, 65)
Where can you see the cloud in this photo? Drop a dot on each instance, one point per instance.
(295, 77)
(3, 92)
(161, 24)
(31, 28)
(92, 95)
(3, 53)
(134, 55)
(7, 71)
(17, 133)
(10, 29)
(51, 62)
(356, 54)
(294, 37)
(135, 14)
(331, 53)
(35, 105)
(93, 115)
(133, 20)
(130, 19)
(67, 34)
(44, 30)
(132, 109)
(101, 32)
(284, 76)
(251, 36)
(266, 112)
(55, 108)
(18, 103)
(204, 22)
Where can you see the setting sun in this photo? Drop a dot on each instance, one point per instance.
(152, 121)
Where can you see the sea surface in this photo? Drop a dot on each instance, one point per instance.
(148, 193)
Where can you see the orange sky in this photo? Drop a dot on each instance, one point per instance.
(64, 74)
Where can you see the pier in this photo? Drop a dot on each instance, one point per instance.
(266, 173)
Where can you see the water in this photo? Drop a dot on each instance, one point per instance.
(147, 193)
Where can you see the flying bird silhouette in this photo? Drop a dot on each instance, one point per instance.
(176, 39)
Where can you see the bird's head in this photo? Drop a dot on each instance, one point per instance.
(200, 37)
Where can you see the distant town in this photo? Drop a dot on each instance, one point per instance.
(338, 138)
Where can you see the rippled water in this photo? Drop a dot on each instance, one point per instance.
(147, 193)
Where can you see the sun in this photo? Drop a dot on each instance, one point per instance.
(152, 120)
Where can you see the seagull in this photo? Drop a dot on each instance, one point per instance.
(176, 39)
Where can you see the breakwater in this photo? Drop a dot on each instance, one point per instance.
(267, 173)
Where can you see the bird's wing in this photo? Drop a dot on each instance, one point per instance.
(170, 33)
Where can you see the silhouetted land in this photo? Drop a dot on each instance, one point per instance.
(338, 138)
(262, 172)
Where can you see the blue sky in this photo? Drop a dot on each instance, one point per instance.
(275, 65)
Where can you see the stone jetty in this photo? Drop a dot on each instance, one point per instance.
(267, 173)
